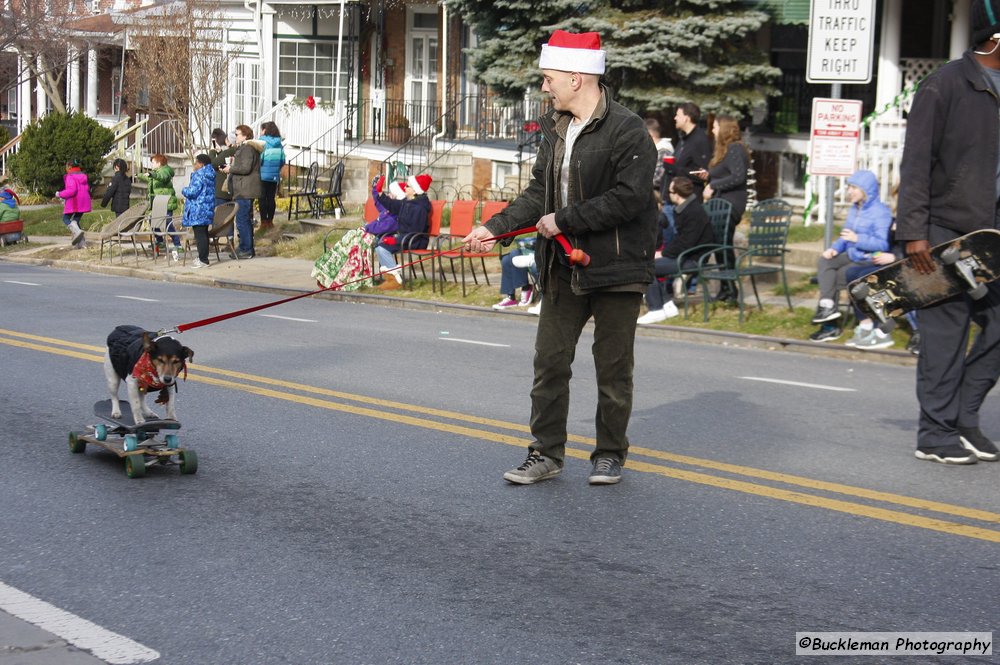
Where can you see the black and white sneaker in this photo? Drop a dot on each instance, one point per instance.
(953, 454)
(606, 471)
(974, 440)
(826, 334)
(824, 314)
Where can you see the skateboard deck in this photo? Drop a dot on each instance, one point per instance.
(139, 445)
(963, 265)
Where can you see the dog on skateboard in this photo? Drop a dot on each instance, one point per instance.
(145, 363)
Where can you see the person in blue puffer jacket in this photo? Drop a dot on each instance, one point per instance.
(864, 236)
(199, 206)
(271, 163)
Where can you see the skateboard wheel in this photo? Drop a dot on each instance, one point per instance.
(135, 466)
(950, 256)
(75, 444)
(131, 442)
(979, 292)
(189, 462)
(860, 291)
(171, 440)
(100, 432)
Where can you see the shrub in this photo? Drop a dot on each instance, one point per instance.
(47, 144)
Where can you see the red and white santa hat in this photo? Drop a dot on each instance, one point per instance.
(397, 190)
(420, 183)
(573, 52)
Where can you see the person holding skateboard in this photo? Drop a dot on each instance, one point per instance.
(950, 186)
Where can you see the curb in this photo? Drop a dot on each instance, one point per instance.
(717, 337)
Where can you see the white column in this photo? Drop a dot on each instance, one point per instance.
(960, 29)
(268, 91)
(890, 76)
(23, 95)
(40, 104)
(92, 81)
(73, 80)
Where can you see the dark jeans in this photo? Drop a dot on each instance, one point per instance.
(562, 319)
(656, 295)
(266, 202)
(201, 240)
(244, 225)
(952, 382)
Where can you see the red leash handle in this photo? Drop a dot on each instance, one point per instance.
(576, 256)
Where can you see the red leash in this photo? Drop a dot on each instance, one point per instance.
(575, 256)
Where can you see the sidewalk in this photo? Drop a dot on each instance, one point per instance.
(287, 276)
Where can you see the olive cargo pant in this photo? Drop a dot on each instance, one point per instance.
(561, 321)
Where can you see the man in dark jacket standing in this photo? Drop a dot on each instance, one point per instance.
(694, 149)
(592, 183)
(949, 186)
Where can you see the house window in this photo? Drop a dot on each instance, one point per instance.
(246, 87)
(307, 68)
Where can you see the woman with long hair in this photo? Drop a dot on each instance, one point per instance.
(727, 179)
(271, 162)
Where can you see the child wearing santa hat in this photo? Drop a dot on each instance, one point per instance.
(412, 214)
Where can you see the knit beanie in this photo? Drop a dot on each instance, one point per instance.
(985, 18)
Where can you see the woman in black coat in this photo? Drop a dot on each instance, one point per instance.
(120, 189)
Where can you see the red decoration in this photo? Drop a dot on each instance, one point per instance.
(310, 102)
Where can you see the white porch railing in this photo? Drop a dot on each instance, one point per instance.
(7, 151)
(306, 132)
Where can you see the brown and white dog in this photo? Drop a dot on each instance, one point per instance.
(145, 364)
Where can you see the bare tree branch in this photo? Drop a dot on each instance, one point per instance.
(182, 63)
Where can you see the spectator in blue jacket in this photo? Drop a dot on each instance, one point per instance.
(865, 235)
(199, 205)
(271, 163)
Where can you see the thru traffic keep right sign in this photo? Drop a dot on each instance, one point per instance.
(841, 41)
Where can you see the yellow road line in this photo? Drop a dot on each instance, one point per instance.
(636, 465)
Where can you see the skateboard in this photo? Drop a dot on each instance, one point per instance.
(139, 445)
(963, 265)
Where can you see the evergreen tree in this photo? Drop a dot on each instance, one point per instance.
(660, 52)
(51, 141)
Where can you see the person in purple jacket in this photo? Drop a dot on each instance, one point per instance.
(76, 200)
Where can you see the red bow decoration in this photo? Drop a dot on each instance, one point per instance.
(310, 102)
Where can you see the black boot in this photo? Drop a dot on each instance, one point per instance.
(727, 293)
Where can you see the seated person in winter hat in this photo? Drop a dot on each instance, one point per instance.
(386, 221)
(412, 214)
(9, 212)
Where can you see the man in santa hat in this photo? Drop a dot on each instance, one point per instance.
(592, 183)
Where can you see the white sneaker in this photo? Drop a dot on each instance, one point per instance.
(197, 263)
(174, 255)
(523, 260)
(680, 288)
(656, 315)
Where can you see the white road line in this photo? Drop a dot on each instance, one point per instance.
(14, 281)
(288, 318)
(472, 341)
(137, 298)
(81, 633)
(817, 386)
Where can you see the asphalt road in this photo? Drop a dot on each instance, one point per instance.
(349, 506)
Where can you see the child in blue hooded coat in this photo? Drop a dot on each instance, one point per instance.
(864, 236)
(271, 162)
(199, 206)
